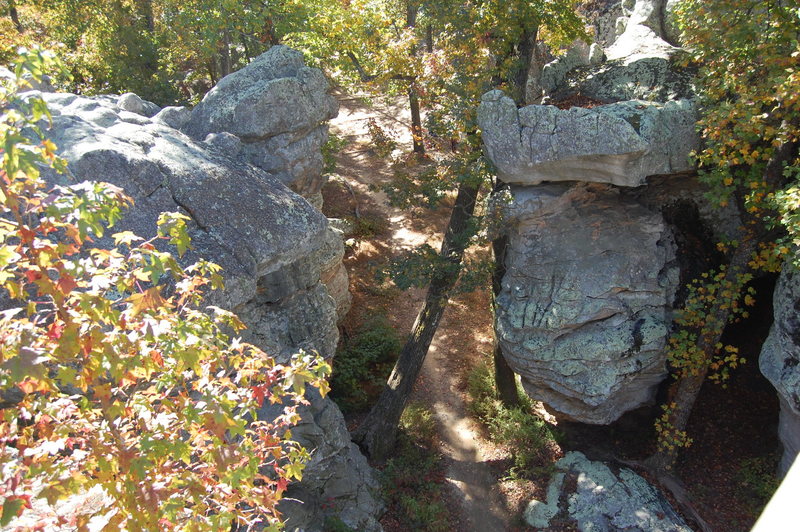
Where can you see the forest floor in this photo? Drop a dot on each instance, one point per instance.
(730, 430)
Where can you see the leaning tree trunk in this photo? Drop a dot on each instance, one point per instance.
(504, 376)
(687, 389)
(377, 434)
(416, 120)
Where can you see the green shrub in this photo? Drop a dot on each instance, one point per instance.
(520, 430)
(330, 149)
(361, 365)
(758, 477)
(369, 226)
(418, 423)
(413, 479)
(382, 142)
(334, 524)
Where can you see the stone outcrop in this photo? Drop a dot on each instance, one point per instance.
(276, 106)
(780, 362)
(641, 63)
(276, 250)
(592, 497)
(593, 268)
(621, 143)
(585, 304)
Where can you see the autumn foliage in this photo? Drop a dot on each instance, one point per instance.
(112, 373)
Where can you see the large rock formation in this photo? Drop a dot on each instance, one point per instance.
(276, 107)
(275, 248)
(586, 303)
(620, 143)
(594, 498)
(780, 362)
(584, 307)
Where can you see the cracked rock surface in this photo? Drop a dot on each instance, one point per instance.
(277, 107)
(276, 250)
(593, 497)
(620, 143)
(585, 304)
(780, 362)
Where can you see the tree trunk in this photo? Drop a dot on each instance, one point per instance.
(429, 39)
(504, 376)
(377, 434)
(224, 55)
(413, 99)
(12, 12)
(687, 389)
(526, 48)
(416, 120)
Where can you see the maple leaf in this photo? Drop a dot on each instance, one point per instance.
(149, 299)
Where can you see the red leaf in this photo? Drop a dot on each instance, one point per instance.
(156, 357)
(56, 329)
(66, 283)
(281, 484)
(259, 393)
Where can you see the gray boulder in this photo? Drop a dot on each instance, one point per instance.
(272, 244)
(134, 104)
(173, 116)
(593, 497)
(640, 64)
(780, 362)
(277, 106)
(620, 143)
(584, 309)
(644, 33)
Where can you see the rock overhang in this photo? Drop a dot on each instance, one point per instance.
(620, 143)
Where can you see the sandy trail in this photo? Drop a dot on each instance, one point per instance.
(465, 330)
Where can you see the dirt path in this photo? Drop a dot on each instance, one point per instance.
(465, 331)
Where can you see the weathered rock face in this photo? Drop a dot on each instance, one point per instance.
(780, 363)
(594, 498)
(276, 107)
(275, 248)
(592, 274)
(640, 62)
(620, 143)
(584, 307)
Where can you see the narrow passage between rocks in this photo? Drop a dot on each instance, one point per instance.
(465, 331)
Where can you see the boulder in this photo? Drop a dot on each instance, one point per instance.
(620, 143)
(642, 63)
(276, 106)
(591, 496)
(274, 248)
(644, 33)
(780, 362)
(134, 104)
(173, 116)
(602, 15)
(584, 309)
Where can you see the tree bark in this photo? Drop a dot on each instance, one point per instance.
(416, 120)
(429, 39)
(413, 98)
(504, 377)
(687, 389)
(224, 55)
(12, 12)
(377, 434)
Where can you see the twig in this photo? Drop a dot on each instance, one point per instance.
(356, 211)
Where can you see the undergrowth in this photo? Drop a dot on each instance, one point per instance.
(756, 477)
(362, 364)
(413, 480)
(526, 436)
